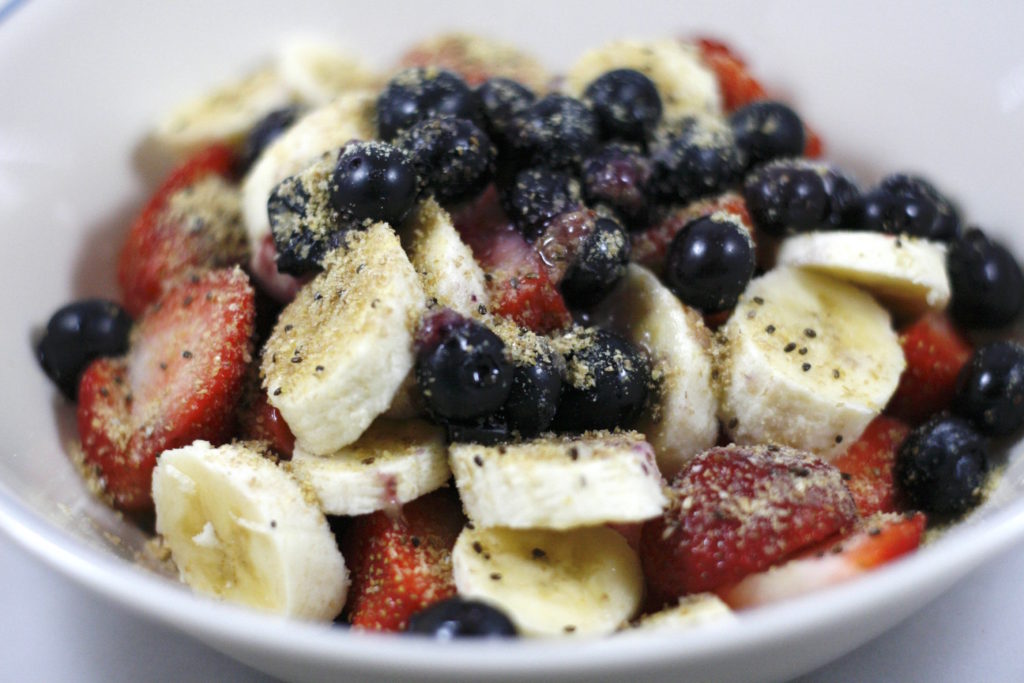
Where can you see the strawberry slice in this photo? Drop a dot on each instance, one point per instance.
(878, 540)
(179, 382)
(867, 465)
(192, 222)
(739, 510)
(935, 352)
(260, 421)
(401, 563)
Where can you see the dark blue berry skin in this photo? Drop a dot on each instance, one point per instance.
(461, 618)
(986, 281)
(627, 104)
(454, 159)
(373, 181)
(906, 204)
(695, 160)
(533, 400)
(620, 379)
(421, 93)
(536, 196)
(795, 195)
(266, 130)
(487, 431)
(710, 262)
(618, 176)
(990, 389)
(299, 249)
(76, 335)
(767, 130)
(461, 368)
(501, 99)
(600, 262)
(941, 466)
(556, 132)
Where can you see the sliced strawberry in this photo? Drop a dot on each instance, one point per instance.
(867, 465)
(739, 510)
(401, 563)
(260, 421)
(178, 383)
(935, 352)
(878, 540)
(192, 221)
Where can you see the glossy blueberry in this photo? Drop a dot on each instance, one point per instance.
(77, 334)
(455, 160)
(600, 262)
(906, 204)
(627, 104)
(290, 209)
(710, 262)
(796, 195)
(266, 130)
(533, 400)
(767, 130)
(488, 430)
(373, 181)
(501, 99)
(461, 367)
(941, 466)
(698, 158)
(421, 93)
(986, 281)
(556, 131)
(607, 382)
(536, 196)
(990, 389)
(618, 176)
(461, 618)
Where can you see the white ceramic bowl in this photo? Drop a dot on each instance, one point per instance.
(896, 86)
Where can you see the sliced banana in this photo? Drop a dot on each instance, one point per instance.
(699, 609)
(558, 482)
(239, 528)
(683, 418)
(340, 351)
(318, 72)
(350, 117)
(224, 114)
(685, 84)
(392, 463)
(585, 581)
(906, 273)
(806, 361)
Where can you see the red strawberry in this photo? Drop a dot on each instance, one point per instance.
(401, 563)
(192, 221)
(260, 421)
(878, 540)
(178, 383)
(935, 352)
(739, 510)
(867, 465)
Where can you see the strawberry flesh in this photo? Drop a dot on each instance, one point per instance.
(867, 465)
(934, 352)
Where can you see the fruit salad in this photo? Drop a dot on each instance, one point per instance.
(465, 347)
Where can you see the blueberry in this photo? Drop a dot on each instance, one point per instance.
(77, 334)
(556, 131)
(990, 389)
(533, 400)
(536, 196)
(985, 280)
(767, 130)
(302, 222)
(627, 104)
(501, 99)
(618, 176)
(906, 204)
(710, 262)
(421, 93)
(797, 195)
(941, 466)
(461, 367)
(455, 160)
(594, 251)
(459, 617)
(487, 431)
(373, 181)
(697, 158)
(266, 130)
(606, 385)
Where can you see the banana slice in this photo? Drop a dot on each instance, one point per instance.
(686, 86)
(683, 419)
(805, 361)
(318, 72)
(239, 528)
(559, 482)
(906, 273)
(340, 351)
(584, 581)
(226, 113)
(390, 464)
(700, 609)
(350, 117)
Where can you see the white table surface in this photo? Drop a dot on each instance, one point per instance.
(53, 630)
